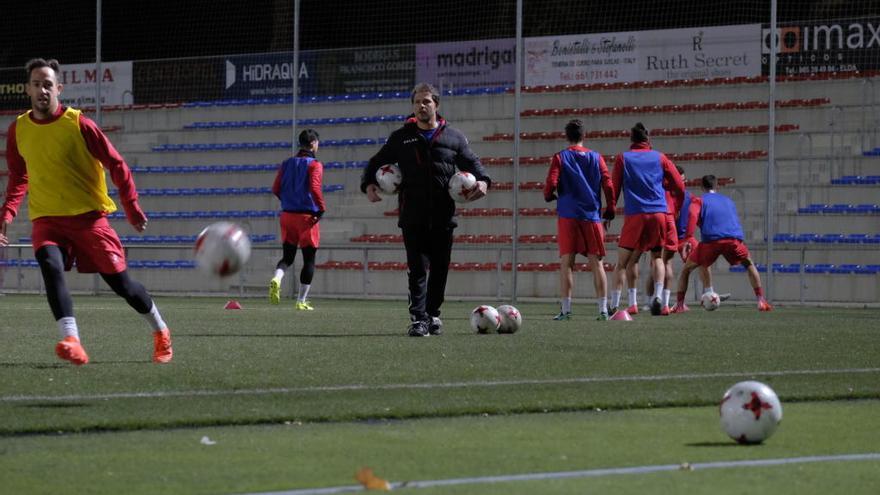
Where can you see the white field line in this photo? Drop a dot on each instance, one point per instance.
(588, 473)
(420, 386)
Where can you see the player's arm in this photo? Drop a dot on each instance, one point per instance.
(316, 179)
(616, 184)
(468, 161)
(552, 180)
(688, 243)
(607, 184)
(101, 148)
(17, 185)
(674, 180)
(386, 154)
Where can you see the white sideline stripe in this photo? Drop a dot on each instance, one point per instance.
(414, 386)
(588, 473)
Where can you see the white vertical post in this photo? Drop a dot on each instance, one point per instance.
(770, 210)
(295, 75)
(98, 117)
(517, 109)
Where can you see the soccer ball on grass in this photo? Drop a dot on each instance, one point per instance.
(511, 319)
(485, 319)
(222, 249)
(750, 412)
(710, 301)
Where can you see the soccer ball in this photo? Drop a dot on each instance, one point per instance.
(750, 412)
(485, 319)
(710, 301)
(389, 178)
(222, 249)
(460, 185)
(511, 319)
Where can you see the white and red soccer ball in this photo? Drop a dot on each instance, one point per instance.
(750, 412)
(710, 301)
(485, 319)
(461, 185)
(511, 319)
(388, 177)
(222, 249)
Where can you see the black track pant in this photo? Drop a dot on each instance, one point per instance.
(427, 250)
(51, 261)
(308, 269)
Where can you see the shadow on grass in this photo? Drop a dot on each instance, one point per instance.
(713, 444)
(35, 366)
(292, 335)
(54, 405)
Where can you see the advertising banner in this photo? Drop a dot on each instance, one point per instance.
(467, 64)
(80, 80)
(178, 80)
(813, 47)
(12, 90)
(267, 75)
(667, 54)
(363, 70)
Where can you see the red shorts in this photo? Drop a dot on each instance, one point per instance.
(300, 229)
(733, 250)
(643, 232)
(86, 239)
(580, 237)
(682, 243)
(670, 234)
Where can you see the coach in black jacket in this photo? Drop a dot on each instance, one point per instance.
(428, 153)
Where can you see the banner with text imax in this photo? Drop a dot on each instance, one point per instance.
(467, 64)
(666, 54)
(811, 47)
(267, 75)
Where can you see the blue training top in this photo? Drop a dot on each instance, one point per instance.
(718, 218)
(643, 183)
(580, 185)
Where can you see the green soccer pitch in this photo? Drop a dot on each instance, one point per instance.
(269, 399)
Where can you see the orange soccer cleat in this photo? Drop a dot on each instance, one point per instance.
(680, 308)
(71, 350)
(162, 351)
(665, 311)
(633, 310)
(763, 305)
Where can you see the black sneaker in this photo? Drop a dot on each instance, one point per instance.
(435, 326)
(656, 306)
(418, 328)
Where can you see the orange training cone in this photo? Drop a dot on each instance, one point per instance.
(232, 304)
(621, 315)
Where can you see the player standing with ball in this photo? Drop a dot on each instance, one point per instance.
(58, 155)
(428, 152)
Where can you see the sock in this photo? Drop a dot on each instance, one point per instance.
(603, 304)
(759, 292)
(666, 294)
(632, 295)
(303, 292)
(155, 319)
(679, 297)
(279, 274)
(67, 327)
(566, 305)
(615, 298)
(658, 291)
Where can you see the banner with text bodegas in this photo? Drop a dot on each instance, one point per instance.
(812, 47)
(666, 54)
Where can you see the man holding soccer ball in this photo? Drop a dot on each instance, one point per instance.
(58, 156)
(721, 235)
(429, 152)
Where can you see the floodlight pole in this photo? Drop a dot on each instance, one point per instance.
(517, 105)
(295, 75)
(769, 219)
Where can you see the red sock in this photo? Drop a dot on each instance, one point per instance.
(679, 296)
(759, 291)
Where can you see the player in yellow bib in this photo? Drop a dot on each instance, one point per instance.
(59, 156)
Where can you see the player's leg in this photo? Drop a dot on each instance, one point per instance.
(632, 282)
(288, 256)
(305, 278)
(440, 255)
(566, 283)
(600, 284)
(680, 306)
(755, 281)
(417, 276)
(669, 281)
(658, 272)
(139, 299)
(623, 256)
(52, 261)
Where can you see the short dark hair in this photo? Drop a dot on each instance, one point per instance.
(709, 182)
(39, 63)
(574, 131)
(639, 134)
(422, 87)
(307, 136)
